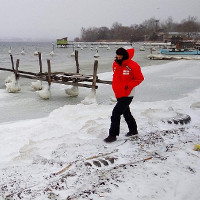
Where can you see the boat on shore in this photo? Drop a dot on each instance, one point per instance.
(182, 47)
(180, 52)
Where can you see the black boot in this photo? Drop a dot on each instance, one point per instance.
(110, 139)
(132, 133)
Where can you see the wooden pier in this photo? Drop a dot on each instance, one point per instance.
(61, 44)
(74, 79)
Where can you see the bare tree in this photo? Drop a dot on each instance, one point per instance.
(149, 30)
(189, 26)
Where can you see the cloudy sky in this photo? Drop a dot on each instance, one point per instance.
(60, 18)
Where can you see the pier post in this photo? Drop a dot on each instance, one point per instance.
(49, 72)
(16, 70)
(40, 61)
(11, 57)
(76, 59)
(94, 76)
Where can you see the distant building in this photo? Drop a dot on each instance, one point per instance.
(177, 36)
(62, 42)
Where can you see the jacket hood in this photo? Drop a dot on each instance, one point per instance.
(130, 53)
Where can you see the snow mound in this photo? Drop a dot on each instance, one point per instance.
(90, 99)
(72, 92)
(113, 99)
(13, 87)
(44, 93)
(195, 105)
(37, 85)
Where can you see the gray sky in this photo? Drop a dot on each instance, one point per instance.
(53, 19)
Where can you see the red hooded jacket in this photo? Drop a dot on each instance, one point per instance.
(126, 77)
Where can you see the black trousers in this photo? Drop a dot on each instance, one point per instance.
(122, 108)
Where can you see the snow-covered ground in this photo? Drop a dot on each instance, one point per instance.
(63, 156)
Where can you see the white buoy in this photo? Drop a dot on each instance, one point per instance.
(23, 52)
(36, 52)
(36, 85)
(44, 93)
(142, 48)
(52, 52)
(72, 92)
(10, 51)
(73, 53)
(96, 55)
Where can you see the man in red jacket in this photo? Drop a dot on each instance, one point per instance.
(127, 75)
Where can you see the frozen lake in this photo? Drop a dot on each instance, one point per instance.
(162, 82)
(46, 157)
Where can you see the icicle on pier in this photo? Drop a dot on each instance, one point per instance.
(67, 78)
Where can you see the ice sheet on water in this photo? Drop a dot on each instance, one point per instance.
(32, 151)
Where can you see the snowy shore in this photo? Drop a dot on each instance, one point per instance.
(59, 156)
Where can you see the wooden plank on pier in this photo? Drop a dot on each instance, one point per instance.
(56, 81)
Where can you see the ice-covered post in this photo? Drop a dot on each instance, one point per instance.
(40, 61)
(74, 91)
(94, 76)
(151, 50)
(76, 59)
(45, 92)
(91, 98)
(13, 85)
